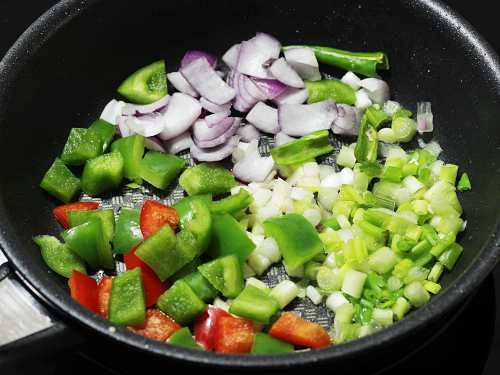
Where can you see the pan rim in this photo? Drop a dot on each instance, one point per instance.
(66, 10)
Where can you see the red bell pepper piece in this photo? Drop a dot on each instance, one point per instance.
(293, 329)
(153, 286)
(103, 293)
(233, 335)
(61, 212)
(83, 289)
(157, 326)
(154, 215)
(204, 327)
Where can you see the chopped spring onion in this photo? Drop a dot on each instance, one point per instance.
(285, 292)
(464, 183)
(313, 294)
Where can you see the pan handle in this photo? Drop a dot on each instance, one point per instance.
(28, 329)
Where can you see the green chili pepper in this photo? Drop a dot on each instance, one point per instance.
(362, 142)
(161, 169)
(128, 232)
(181, 303)
(232, 204)
(302, 149)
(102, 174)
(255, 304)
(206, 179)
(127, 303)
(106, 216)
(132, 149)
(201, 286)
(296, 237)
(265, 344)
(146, 85)
(330, 89)
(60, 182)
(184, 338)
(82, 144)
(58, 257)
(225, 274)
(105, 130)
(365, 63)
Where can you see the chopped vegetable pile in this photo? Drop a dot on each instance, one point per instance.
(368, 235)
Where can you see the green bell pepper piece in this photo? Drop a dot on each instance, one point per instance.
(107, 217)
(305, 148)
(296, 237)
(82, 145)
(161, 169)
(87, 240)
(265, 344)
(181, 303)
(365, 63)
(330, 89)
(127, 303)
(201, 286)
(106, 132)
(58, 257)
(102, 174)
(60, 182)
(376, 117)
(146, 85)
(184, 207)
(196, 229)
(225, 274)
(187, 269)
(230, 238)
(184, 338)
(206, 179)
(255, 304)
(132, 149)
(232, 204)
(128, 231)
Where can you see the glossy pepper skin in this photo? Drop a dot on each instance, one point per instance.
(184, 339)
(105, 131)
(60, 182)
(83, 290)
(58, 257)
(225, 274)
(201, 286)
(228, 237)
(181, 303)
(127, 305)
(61, 212)
(205, 324)
(131, 148)
(206, 179)
(157, 326)
(128, 231)
(154, 215)
(330, 89)
(265, 344)
(233, 335)
(102, 174)
(300, 332)
(81, 145)
(232, 204)
(106, 216)
(160, 169)
(255, 304)
(146, 85)
(184, 208)
(305, 148)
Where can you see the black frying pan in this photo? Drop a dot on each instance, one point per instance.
(65, 67)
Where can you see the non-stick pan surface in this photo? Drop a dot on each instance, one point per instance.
(66, 66)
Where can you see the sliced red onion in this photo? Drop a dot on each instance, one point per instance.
(190, 56)
(248, 86)
(139, 110)
(347, 121)
(282, 139)
(180, 83)
(248, 133)
(216, 153)
(254, 53)
(182, 111)
(215, 118)
(304, 62)
(203, 132)
(270, 87)
(214, 108)
(180, 143)
(154, 144)
(302, 119)
(253, 167)
(292, 96)
(231, 56)
(425, 118)
(244, 101)
(112, 110)
(378, 90)
(264, 118)
(236, 121)
(205, 80)
(352, 80)
(284, 73)
(147, 125)
(123, 128)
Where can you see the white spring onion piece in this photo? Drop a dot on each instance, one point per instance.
(285, 292)
(382, 260)
(248, 133)
(382, 317)
(327, 196)
(214, 108)
(112, 111)
(330, 261)
(304, 62)
(203, 78)
(332, 181)
(353, 283)
(255, 53)
(256, 283)
(214, 154)
(292, 96)
(268, 212)
(302, 119)
(180, 83)
(387, 135)
(154, 144)
(269, 248)
(325, 170)
(343, 222)
(412, 184)
(352, 80)
(363, 101)
(253, 167)
(258, 229)
(258, 262)
(377, 89)
(345, 234)
(295, 272)
(180, 143)
(301, 293)
(261, 196)
(284, 73)
(299, 194)
(347, 121)
(432, 146)
(231, 56)
(391, 107)
(335, 300)
(313, 294)
(281, 194)
(366, 330)
(248, 271)
(306, 176)
(346, 176)
(264, 118)
(238, 153)
(222, 138)
(313, 215)
(256, 238)
(346, 157)
(221, 304)
(181, 112)
(425, 118)
(143, 109)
